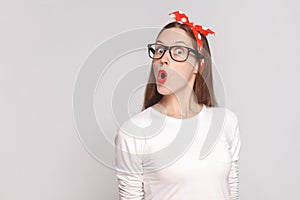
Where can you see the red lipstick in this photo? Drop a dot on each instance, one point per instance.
(162, 76)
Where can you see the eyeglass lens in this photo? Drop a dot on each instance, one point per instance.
(178, 53)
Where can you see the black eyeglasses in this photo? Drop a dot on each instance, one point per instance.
(177, 53)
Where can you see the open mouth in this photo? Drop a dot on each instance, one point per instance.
(162, 76)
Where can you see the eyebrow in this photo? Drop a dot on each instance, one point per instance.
(175, 42)
(181, 42)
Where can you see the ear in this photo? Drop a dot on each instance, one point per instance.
(201, 65)
(195, 71)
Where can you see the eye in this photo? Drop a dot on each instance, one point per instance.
(159, 50)
(152, 50)
(179, 50)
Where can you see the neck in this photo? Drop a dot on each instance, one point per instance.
(181, 104)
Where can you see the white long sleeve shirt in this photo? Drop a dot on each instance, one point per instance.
(159, 157)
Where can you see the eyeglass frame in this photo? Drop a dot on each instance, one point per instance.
(169, 48)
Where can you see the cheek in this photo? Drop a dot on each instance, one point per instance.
(155, 67)
(177, 73)
(184, 71)
(178, 77)
(193, 61)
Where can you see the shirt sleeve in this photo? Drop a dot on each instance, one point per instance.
(128, 165)
(233, 179)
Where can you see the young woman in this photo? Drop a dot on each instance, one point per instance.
(180, 94)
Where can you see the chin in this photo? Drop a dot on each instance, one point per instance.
(163, 90)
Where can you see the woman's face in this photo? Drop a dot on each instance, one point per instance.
(172, 76)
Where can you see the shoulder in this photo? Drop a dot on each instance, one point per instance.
(132, 129)
(228, 119)
(231, 116)
(232, 125)
(228, 116)
(141, 119)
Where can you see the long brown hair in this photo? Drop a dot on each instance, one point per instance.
(203, 85)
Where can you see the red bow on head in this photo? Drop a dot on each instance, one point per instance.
(180, 17)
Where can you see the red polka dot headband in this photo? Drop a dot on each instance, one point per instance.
(181, 18)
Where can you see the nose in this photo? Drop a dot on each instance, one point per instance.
(166, 58)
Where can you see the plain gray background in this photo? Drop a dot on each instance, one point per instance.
(43, 43)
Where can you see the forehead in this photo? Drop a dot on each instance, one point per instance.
(174, 36)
